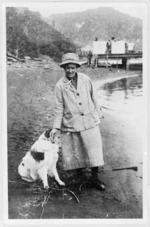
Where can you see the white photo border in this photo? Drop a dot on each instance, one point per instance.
(146, 84)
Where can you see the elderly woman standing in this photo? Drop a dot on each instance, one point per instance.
(77, 114)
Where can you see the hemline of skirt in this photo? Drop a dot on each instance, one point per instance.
(78, 165)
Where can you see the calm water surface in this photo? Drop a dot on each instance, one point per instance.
(124, 96)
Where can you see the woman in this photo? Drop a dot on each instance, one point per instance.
(77, 114)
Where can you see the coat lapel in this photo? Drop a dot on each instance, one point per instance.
(69, 86)
(80, 81)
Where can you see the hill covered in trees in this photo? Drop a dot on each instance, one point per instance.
(104, 23)
(29, 35)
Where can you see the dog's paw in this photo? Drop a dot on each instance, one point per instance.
(46, 187)
(61, 183)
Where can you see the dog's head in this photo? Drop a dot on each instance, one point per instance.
(47, 133)
(46, 136)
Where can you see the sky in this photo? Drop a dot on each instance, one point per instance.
(46, 9)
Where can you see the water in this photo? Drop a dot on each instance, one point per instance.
(124, 96)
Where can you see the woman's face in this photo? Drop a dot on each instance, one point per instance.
(70, 70)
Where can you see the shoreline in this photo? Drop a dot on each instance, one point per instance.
(106, 76)
(111, 80)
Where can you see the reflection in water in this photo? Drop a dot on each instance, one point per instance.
(123, 95)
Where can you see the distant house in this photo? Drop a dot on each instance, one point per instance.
(131, 46)
(99, 47)
(118, 47)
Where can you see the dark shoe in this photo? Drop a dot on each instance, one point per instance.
(95, 182)
(80, 176)
(98, 185)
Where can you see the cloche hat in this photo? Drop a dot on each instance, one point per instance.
(70, 58)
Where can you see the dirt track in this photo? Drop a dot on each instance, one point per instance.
(28, 103)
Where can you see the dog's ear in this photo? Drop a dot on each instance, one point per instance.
(47, 133)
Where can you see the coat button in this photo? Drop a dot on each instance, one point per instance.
(78, 94)
(80, 103)
(82, 114)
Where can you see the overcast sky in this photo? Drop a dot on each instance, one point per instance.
(46, 9)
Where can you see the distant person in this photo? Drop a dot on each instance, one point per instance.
(90, 57)
(77, 115)
(95, 61)
(108, 47)
(126, 47)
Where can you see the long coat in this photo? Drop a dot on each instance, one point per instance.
(77, 114)
(76, 109)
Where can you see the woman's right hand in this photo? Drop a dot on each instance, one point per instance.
(53, 133)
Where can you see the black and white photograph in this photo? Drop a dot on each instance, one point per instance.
(75, 138)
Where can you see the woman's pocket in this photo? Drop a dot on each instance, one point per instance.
(68, 120)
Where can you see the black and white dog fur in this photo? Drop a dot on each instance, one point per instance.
(40, 161)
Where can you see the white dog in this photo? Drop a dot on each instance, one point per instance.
(40, 161)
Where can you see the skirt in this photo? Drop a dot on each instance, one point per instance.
(82, 149)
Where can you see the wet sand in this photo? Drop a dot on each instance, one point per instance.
(28, 105)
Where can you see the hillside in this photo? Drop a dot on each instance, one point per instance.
(104, 23)
(31, 36)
